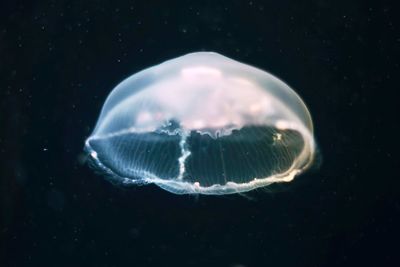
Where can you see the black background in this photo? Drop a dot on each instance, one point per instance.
(60, 59)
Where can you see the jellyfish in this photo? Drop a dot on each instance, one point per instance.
(202, 123)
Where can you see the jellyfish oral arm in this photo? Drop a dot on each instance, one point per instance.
(185, 153)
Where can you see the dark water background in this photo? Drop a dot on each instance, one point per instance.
(60, 59)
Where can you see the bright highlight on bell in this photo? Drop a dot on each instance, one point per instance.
(202, 124)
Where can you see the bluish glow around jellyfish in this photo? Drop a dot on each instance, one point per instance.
(202, 124)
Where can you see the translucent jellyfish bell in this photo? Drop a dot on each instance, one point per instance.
(202, 123)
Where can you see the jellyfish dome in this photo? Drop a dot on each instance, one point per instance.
(202, 124)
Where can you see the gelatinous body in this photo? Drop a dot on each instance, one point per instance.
(202, 123)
